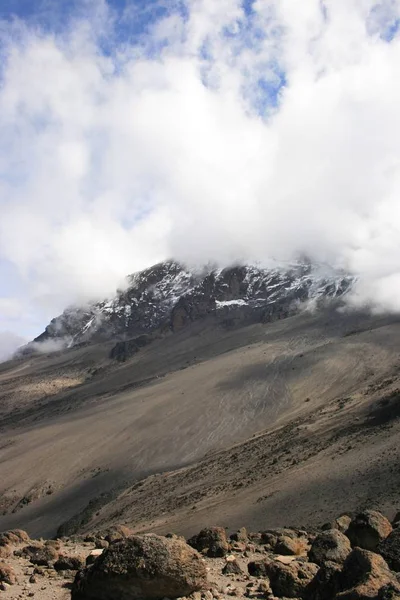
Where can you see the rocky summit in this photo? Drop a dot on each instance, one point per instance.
(169, 296)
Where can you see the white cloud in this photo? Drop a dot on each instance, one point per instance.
(112, 161)
(9, 342)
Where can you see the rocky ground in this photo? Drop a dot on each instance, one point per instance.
(350, 558)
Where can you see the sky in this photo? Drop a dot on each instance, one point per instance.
(133, 131)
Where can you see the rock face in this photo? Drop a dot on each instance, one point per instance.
(211, 541)
(331, 546)
(142, 567)
(368, 529)
(169, 296)
(390, 550)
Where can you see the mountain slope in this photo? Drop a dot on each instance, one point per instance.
(77, 427)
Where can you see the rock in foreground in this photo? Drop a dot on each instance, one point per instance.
(142, 567)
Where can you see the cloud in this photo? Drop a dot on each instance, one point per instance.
(213, 132)
(9, 342)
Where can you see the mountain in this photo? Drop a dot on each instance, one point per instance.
(245, 409)
(169, 296)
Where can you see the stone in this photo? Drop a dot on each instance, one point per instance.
(94, 554)
(341, 523)
(326, 583)
(13, 537)
(290, 581)
(148, 567)
(389, 548)
(368, 529)
(7, 574)
(232, 567)
(69, 563)
(39, 554)
(331, 545)
(288, 546)
(240, 535)
(117, 532)
(364, 573)
(5, 551)
(211, 541)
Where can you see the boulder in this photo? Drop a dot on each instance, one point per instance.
(39, 554)
(341, 523)
(211, 541)
(389, 548)
(326, 583)
(240, 536)
(331, 545)
(5, 551)
(290, 580)
(257, 568)
(7, 574)
(232, 567)
(13, 537)
(69, 563)
(94, 554)
(118, 532)
(364, 573)
(368, 529)
(142, 567)
(289, 546)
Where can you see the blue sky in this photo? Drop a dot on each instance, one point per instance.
(208, 131)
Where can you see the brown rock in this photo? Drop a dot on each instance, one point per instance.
(232, 567)
(368, 529)
(389, 548)
(118, 532)
(148, 566)
(341, 523)
(326, 583)
(364, 574)
(5, 551)
(240, 536)
(257, 568)
(289, 546)
(291, 581)
(7, 574)
(13, 537)
(39, 554)
(211, 541)
(69, 563)
(331, 545)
